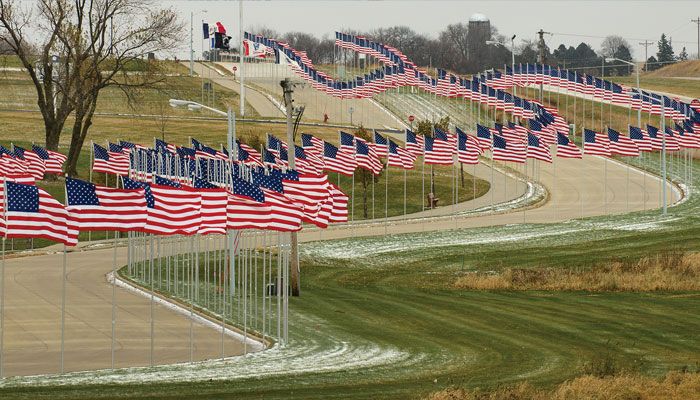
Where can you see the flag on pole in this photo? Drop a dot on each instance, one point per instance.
(399, 157)
(111, 162)
(415, 144)
(33, 163)
(595, 143)
(214, 206)
(30, 212)
(566, 148)
(643, 141)
(99, 208)
(508, 151)
(467, 148)
(367, 157)
(437, 152)
(621, 145)
(537, 149)
(337, 161)
(53, 161)
(483, 135)
(657, 141)
(381, 146)
(170, 210)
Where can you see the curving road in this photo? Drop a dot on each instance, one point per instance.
(33, 297)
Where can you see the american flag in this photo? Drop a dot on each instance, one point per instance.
(53, 161)
(164, 147)
(467, 148)
(339, 213)
(313, 193)
(686, 139)
(595, 144)
(381, 146)
(109, 161)
(566, 148)
(248, 155)
(657, 141)
(399, 157)
(537, 149)
(9, 165)
(245, 213)
(511, 134)
(307, 163)
(451, 139)
(337, 161)
(621, 145)
(672, 136)
(437, 152)
(285, 215)
(508, 151)
(30, 212)
(366, 157)
(33, 163)
(201, 150)
(171, 210)
(415, 144)
(672, 143)
(643, 142)
(483, 135)
(98, 208)
(347, 145)
(312, 144)
(214, 204)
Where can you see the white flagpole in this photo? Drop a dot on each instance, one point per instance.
(386, 199)
(114, 296)
(63, 308)
(404, 192)
(2, 307)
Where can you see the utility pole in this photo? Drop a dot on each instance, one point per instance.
(697, 21)
(191, 39)
(541, 58)
(288, 89)
(240, 56)
(646, 45)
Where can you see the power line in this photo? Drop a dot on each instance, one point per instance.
(697, 21)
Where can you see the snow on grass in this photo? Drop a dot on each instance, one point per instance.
(309, 354)
(366, 247)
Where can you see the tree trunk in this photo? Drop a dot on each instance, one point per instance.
(83, 122)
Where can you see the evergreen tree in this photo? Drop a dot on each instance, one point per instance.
(651, 64)
(623, 53)
(665, 53)
(683, 56)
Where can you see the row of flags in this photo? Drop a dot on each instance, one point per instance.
(35, 162)
(530, 74)
(401, 72)
(487, 88)
(165, 197)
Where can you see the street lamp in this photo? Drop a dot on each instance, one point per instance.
(512, 54)
(663, 129)
(231, 134)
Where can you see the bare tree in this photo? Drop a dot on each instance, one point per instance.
(612, 45)
(95, 44)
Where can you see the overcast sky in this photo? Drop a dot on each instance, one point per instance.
(570, 21)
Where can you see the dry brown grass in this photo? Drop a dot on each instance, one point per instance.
(668, 271)
(674, 386)
(689, 69)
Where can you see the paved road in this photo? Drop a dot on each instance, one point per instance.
(33, 319)
(256, 99)
(32, 337)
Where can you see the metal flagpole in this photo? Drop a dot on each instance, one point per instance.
(114, 295)
(63, 308)
(404, 192)
(151, 261)
(2, 308)
(386, 200)
(605, 183)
